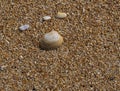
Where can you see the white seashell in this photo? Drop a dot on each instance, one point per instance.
(46, 18)
(51, 40)
(24, 27)
(61, 15)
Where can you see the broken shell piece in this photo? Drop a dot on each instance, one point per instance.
(61, 15)
(45, 18)
(51, 40)
(24, 27)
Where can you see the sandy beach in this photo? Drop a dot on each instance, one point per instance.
(88, 60)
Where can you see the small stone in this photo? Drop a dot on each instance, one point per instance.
(24, 27)
(51, 40)
(45, 18)
(61, 15)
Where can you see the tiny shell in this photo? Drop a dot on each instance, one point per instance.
(51, 40)
(61, 15)
(24, 27)
(46, 18)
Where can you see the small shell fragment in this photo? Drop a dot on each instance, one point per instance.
(45, 18)
(24, 27)
(61, 15)
(51, 40)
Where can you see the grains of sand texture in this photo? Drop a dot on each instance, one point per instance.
(88, 60)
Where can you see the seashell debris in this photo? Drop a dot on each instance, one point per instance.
(51, 40)
(61, 15)
(24, 27)
(45, 18)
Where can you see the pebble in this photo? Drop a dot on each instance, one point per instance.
(51, 40)
(45, 18)
(61, 15)
(24, 27)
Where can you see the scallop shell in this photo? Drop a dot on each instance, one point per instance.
(51, 40)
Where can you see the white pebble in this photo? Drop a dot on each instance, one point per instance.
(24, 27)
(46, 18)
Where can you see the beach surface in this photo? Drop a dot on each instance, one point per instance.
(88, 60)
